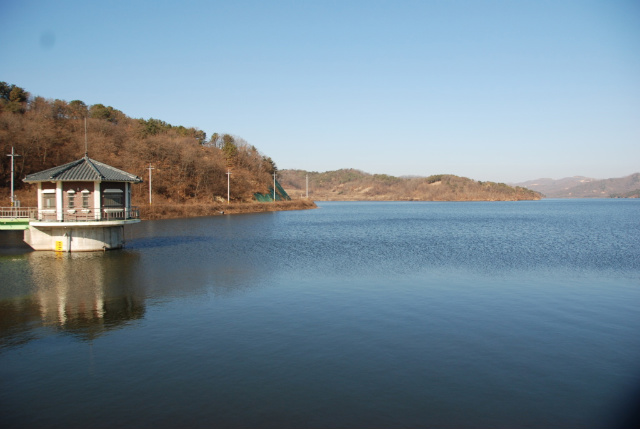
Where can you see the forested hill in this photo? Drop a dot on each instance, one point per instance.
(187, 166)
(355, 185)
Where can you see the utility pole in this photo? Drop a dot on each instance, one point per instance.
(228, 185)
(274, 186)
(150, 168)
(12, 155)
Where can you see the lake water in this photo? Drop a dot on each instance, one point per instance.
(353, 315)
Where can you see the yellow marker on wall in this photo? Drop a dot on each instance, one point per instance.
(58, 246)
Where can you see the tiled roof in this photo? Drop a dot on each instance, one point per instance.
(84, 169)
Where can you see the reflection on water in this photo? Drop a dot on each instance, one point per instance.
(76, 293)
(353, 315)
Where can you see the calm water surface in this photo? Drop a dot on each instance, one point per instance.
(451, 315)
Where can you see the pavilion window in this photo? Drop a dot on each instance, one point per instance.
(113, 198)
(49, 200)
(85, 199)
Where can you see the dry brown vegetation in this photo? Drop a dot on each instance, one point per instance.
(169, 211)
(355, 185)
(187, 168)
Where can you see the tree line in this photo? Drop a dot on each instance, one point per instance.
(186, 166)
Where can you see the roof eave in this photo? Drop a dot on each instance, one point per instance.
(136, 180)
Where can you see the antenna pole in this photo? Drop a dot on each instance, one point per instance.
(228, 185)
(86, 145)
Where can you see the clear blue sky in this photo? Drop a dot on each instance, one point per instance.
(492, 90)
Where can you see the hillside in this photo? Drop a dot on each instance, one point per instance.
(187, 167)
(355, 185)
(584, 187)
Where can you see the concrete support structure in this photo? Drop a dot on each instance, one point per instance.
(59, 212)
(76, 237)
(96, 198)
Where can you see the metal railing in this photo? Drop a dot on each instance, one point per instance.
(89, 214)
(18, 212)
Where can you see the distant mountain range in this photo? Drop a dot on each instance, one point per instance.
(585, 187)
(356, 185)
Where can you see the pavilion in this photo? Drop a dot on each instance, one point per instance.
(82, 206)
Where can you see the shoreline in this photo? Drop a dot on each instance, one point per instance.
(176, 211)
